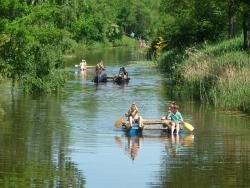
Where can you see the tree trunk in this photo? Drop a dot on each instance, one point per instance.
(246, 31)
(232, 9)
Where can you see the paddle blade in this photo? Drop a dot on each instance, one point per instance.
(188, 126)
(118, 122)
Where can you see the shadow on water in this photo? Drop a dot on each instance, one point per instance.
(131, 146)
(174, 144)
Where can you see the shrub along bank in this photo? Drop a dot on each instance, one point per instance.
(217, 73)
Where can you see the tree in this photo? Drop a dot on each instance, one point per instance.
(233, 6)
(114, 33)
(246, 24)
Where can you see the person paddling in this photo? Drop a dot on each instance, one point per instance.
(133, 115)
(122, 75)
(100, 73)
(170, 109)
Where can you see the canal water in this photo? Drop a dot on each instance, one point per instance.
(69, 139)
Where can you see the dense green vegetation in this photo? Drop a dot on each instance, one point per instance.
(201, 45)
(219, 74)
(34, 34)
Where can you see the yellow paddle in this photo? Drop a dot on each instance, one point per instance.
(118, 122)
(188, 126)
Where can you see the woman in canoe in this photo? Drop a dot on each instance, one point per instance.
(122, 76)
(123, 73)
(133, 115)
(100, 73)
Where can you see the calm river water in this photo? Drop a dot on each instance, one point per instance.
(69, 139)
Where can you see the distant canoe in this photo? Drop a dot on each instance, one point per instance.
(120, 80)
(98, 79)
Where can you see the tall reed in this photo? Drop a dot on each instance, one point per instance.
(218, 74)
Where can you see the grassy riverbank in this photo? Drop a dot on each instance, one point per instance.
(215, 73)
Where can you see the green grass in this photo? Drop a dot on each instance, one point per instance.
(224, 46)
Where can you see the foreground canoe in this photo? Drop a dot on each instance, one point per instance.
(136, 130)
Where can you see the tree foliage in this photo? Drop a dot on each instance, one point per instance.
(185, 23)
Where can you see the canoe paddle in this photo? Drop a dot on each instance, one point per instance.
(188, 126)
(118, 122)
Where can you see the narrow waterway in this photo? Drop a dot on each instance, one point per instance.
(69, 139)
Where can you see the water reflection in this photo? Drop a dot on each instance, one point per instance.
(132, 145)
(83, 74)
(175, 143)
(34, 139)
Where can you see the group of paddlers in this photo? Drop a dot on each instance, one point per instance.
(173, 115)
(100, 72)
(101, 75)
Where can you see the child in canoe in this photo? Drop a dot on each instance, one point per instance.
(170, 109)
(133, 115)
(175, 117)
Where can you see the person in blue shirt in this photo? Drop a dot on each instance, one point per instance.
(175, 117)
(170, 109)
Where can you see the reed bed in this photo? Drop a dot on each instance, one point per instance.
(218, 74)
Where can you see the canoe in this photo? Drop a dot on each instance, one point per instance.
(136, 130)
(101, 78)
(119, 80)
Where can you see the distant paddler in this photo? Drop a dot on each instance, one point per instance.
(83, 65)
(100, 73)
(123, 74)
